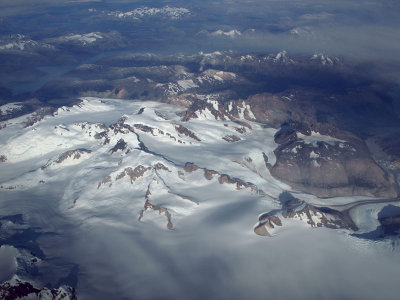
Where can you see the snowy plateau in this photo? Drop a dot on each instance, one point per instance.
(130, 188)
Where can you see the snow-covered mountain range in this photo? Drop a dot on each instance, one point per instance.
(150, 157)
(150, 168)
(145, 12)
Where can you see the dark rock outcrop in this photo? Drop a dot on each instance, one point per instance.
(183, 130)
(145, 128)
(223, 178)
(19, 289)
(190, 167)
(104, 181)
(293, 208)
(159, 166)
(75, 154)
(133, 174)
(231, 138)
(120, 145)
(266, 222)
(161, 210)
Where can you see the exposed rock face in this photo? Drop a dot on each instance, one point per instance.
(226, 179)
(120, 145)
(296, 209)
(156, 132)
(197, 106)
(261, 229)
(265, 157)
(237, 111)
(161, 210)
(75, 154)
(190, 167)
(144, 128)
(285, 135)
(160, 166)
(231, 138)
(143, 147)
(18, 289)
(209, 174)
(102, 132)
(267, 222)
(183, 130)
(104, 181)
(269, 109)
(329, 167)
(100, 135)
(133, 174)
(223, 178)
(319, 216)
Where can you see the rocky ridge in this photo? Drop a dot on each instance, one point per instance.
(20, 289)
(299, 210)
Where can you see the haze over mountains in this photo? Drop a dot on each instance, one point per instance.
(177, 149)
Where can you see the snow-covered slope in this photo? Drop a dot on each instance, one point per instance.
(118, 154)
(128, 188)
(158, 160)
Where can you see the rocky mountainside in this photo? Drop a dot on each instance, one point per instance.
(295, 209)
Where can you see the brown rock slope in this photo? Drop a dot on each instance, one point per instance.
(330, 169)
